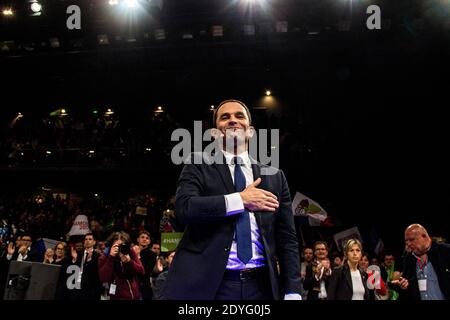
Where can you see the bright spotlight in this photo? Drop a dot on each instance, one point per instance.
(113, 2)
(36, 7)
(268, 93)
(131, 3)
(7, 12)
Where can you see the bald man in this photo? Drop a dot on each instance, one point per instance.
(426, 273)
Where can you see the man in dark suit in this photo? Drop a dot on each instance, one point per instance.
(90, 287)
(426, 267)
(24, 250)
(239, 223)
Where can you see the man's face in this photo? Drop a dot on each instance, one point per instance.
(156, 249)
(416, 242)
(233, 122)
(89, 242)
(364, 263)
(389, 261)
(25, 241)
(144, 240)
(320, 251)
(308, 254)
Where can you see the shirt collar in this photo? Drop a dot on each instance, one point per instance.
(244, 156)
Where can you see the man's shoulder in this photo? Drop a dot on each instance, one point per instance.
(204, 158)
(442, 247)
(267, 170)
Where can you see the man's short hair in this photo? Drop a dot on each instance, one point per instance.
(144, 232)
(90, 234)
(320, 242)
(227, 101)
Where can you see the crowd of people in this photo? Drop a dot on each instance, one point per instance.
(127, 267)
(121, 268)
(94, 140)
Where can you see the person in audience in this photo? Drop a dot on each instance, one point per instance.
(374, 277)
(148, 260)
(90, 287)
(318, 273)
(61, 254)
(23, 251)
(426, 267)
(389, 274)
(62, 260)
(49, 256)
(164, 270)
(156, 248)
(308, 257)
(348, 282)
(337, 261)
(120, 268)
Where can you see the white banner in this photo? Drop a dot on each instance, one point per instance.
(80, 226)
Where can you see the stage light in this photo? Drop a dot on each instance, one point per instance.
(148, 149)
(160, 34)
(282, 27)
(217, 31)
(109, 112)
(54, 43)
(268, 93)
(48, 152)
(63, 112)
(7, 12)
(36, 7)
(94, 111)
(187, 35)
(19, 115)
(211, 108)
(130, 3)
(91, 151)
(159, 109)
(113, 2)
(103, 39)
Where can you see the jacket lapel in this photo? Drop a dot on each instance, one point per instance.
(348, 276)
(225, 174)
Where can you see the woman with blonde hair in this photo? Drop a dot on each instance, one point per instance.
(349, 282)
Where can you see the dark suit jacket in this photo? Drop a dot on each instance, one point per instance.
(340, 286)
(439, 256)
(312, 284)
(32, 255)
(91, 287)
(202, 254)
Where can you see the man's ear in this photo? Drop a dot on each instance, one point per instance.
(250, 132)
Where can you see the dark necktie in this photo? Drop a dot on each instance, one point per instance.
(243, 235)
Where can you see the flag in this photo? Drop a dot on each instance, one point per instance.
(376, 242)
(309, 211)
(342, 237)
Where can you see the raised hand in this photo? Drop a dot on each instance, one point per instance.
(73, 253)
(11, 248)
